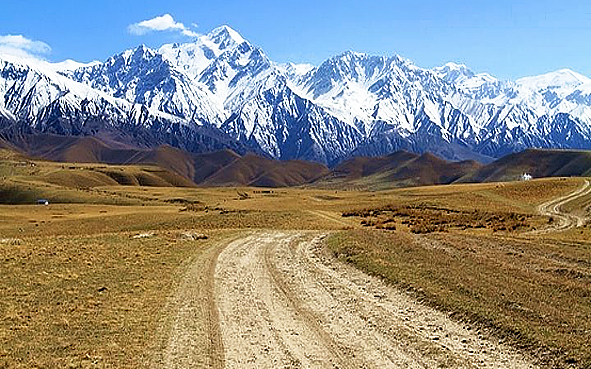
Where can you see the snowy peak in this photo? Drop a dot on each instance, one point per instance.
(452, 72)
(38, 95)
(295, 71)
(560, 80)
(338, 71)
(142, 52)
(193, 58)
(225, 37)
(144, 76)
(478, 85)
(70, 65)
(123, 66)
(132, 58)
(352, 66)
(555, 92)
(118, 72)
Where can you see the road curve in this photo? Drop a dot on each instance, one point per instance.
(563, 221)
(284, 303)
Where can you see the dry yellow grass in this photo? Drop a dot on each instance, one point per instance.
(532, 291)
(77, 290)
(87, 301)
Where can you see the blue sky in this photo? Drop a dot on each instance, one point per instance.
(509, 39)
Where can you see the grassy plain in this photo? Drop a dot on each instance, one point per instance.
(84, 281)
(529, 290)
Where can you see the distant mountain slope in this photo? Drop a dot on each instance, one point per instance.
(96, 176)
(220, 168)
(538, 163)
(429, 169)
(74, 149)
(206, 165)
(6, 145)
(37, 99)
(169, 166)
(252, 170)
(363, 166)
(399, 169)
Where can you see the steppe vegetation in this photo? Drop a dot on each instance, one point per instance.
(84, 281)
(487, 267)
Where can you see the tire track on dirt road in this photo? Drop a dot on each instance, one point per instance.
(566, 221)
(285, 303)
(191, 337)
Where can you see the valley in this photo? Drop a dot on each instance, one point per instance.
(144, 269)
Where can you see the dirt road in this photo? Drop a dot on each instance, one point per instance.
(275, 299)
(190, 335)
(284, 303)
(563, 221)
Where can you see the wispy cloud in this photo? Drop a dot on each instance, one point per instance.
(162, 23)
(19, 45)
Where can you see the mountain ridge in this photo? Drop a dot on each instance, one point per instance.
(220, 91)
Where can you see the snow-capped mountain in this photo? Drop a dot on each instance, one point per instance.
(143, 76)
(449, 110)
(222, 90)
(193, 58)
(43, 97)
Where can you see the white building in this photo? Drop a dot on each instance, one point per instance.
(526, 177)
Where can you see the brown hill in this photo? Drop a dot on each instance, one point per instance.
(94, 150)
(71, 149)
(428, 169)
(253, 170)
(221, 168)
(398, 169)
(363, 166)
(196, 167)
(171, 166)
(89, 176)
(208, 164)
(536, 162)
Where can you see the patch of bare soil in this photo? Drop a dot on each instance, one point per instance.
(285, 303)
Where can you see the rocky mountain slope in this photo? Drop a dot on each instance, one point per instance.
(220, 91)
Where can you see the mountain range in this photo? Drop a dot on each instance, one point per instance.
(222, 92)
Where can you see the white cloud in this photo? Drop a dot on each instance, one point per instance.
(19, 45)
(162, 23)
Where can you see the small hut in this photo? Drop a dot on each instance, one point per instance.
(526, 177)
